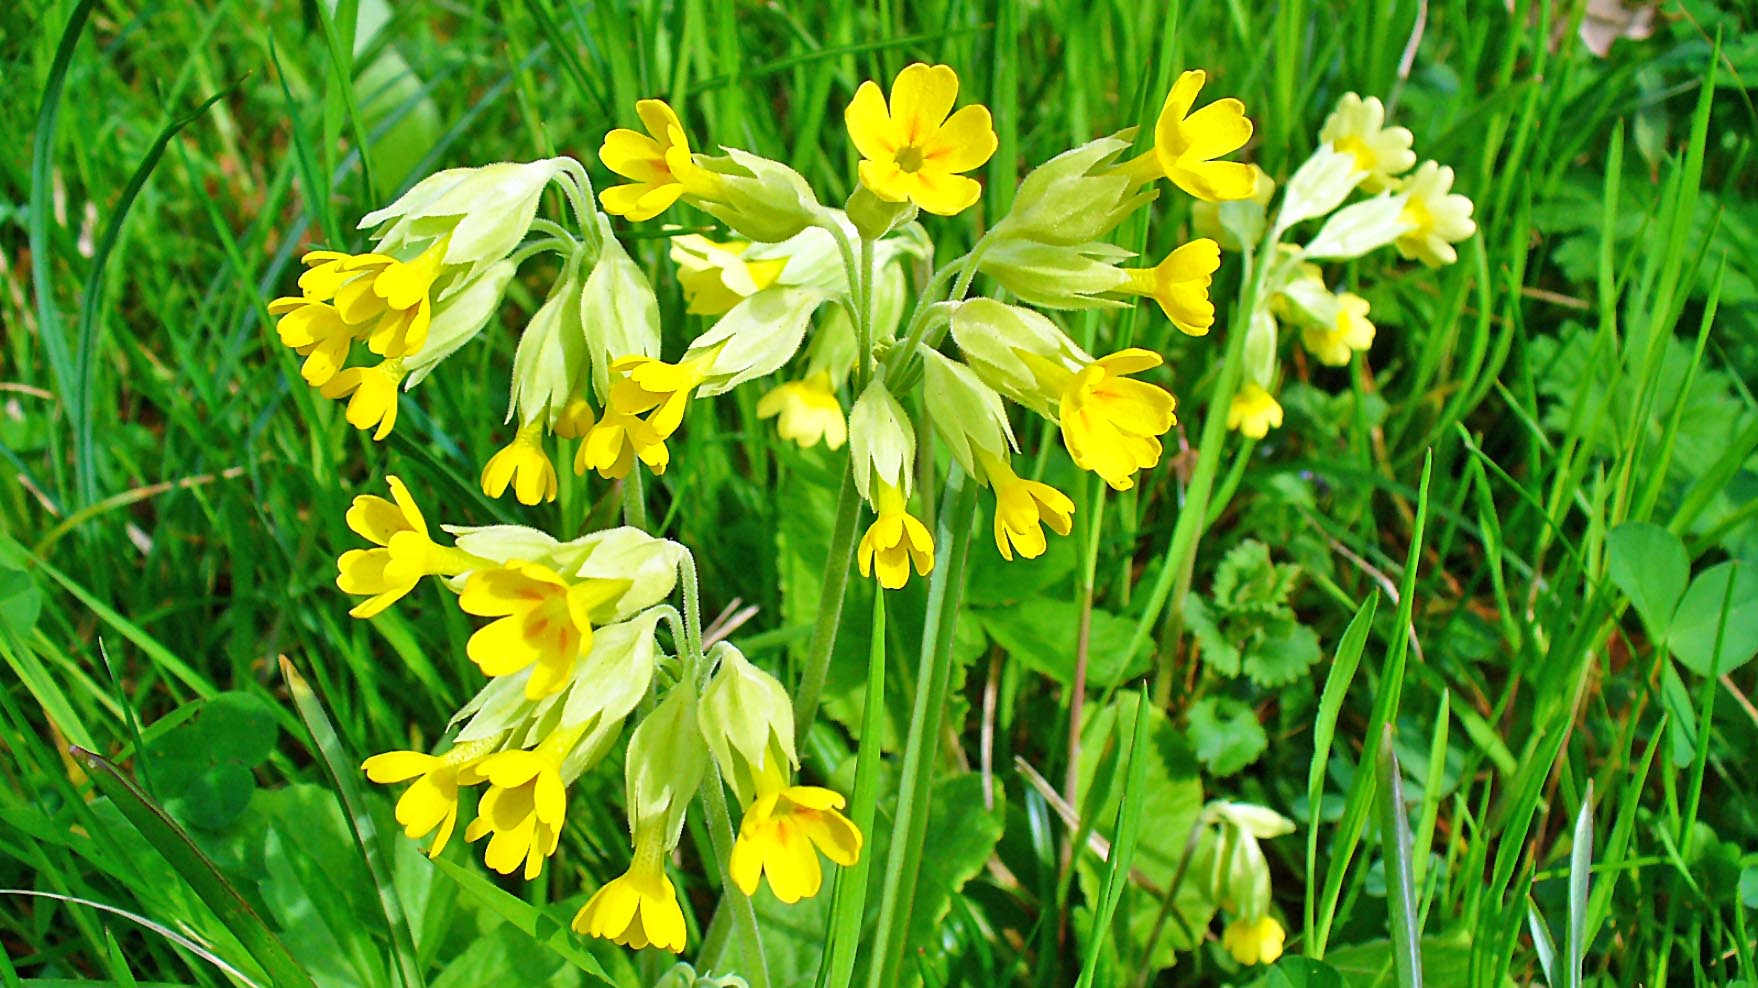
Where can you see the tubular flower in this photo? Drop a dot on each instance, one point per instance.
(643, 386)
(809, 412)
(1358, 127)
(543, 618)
(1180, 283)
(371, 394)
(1186, 143)
(386, 300)
(1254, 411)
(777, 836)
(433, 800)
(316, 331)
(1349, 331)
(895, 541)
(715, 277)
(1022, 507)
(639, 909)
(656, 163)
(525, 804)
(524, 465)
(1256, 941)
(911, 149)
(1112, 424)
(405, 553)
(1436, 217)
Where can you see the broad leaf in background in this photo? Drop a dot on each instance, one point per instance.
(1226, 734)
(1650, 565)
(202, 768)
(1721, 607)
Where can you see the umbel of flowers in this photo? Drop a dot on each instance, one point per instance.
(570, 648)
(1413, 211)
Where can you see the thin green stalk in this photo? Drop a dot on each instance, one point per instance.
(720, 837)
(910, 825)
(849, 905)
(838, 560)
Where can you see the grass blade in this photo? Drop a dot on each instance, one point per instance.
(1395, 845)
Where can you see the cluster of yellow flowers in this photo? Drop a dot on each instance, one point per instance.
(571, 643)
(1417, 213)
(570, 651)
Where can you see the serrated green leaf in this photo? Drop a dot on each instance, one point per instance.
(1226, 735)
(1218, 652)
(1283, 655)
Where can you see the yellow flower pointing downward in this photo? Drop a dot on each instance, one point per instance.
(1256, 941)
(523, 464)
(1186, 144)
(911, 149)
(639, 909)
(525, 805)
(371, 394)
(433, 800)
(895, 541)
(1254, 411)
(777, 839)
(1022, 508)
(809, 412)
(1111, 424)
(643, 386)
(543, 619)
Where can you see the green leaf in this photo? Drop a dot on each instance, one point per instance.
(1218, 652)
(20, 602)
(1284, 653)
(1226, 735)
(1650, 565)
(1446, 960)
(964, 839)
(1721, 607)
(1300, 972)
(1248, 582)
(202, 767)
(1043, 635)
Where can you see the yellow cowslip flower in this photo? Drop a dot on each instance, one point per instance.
(543, 618)
(523, 464)
(912, 150)
(1254, 411)
(639, 909)
(715, 276)
(405, 553)
(1436, 218)
(894, 541)
(575, 420)
(525, 805)
(657, 163)
(386, 300)
(1186, 143)
(1110, 423)
(643, 386)
(371, 393)
(1349, 331)
(1180, 283)
(1256, 941)
(1022, 508)
(433, 800)
(1358, 127)
(809, 411)
(316, 331)
(777, 837)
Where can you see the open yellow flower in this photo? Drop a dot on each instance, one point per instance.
(432, 802)
(404, 555)
(1436, 218)
(639, 909)
(1254, 411)
(809, 412)
(523, 464)
(1111, 423)
(1358, 127)
(643, 386)
(912, 150)
(777, 837)
(656, 163)
(386, 300)
(895, 541)
(1256, 941)
(542, 618)
(1180, 283)
(715, 276)
(371, 393)
(524, 807)
(317, 332)
(1022, 508)
(1348, 332)
(1186, 144)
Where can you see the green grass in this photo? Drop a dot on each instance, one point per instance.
(174, 505)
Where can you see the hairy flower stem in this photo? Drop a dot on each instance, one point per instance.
(909, 829)
(837, 562)
(1173, 582)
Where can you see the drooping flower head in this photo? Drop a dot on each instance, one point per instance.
(895, 541)
(656, 163)
(542, 618)
(372, 395)
(1186, 145)
(432, 802)
(1111, 423)
(642, 386)
(1254, 941)
(911, 148)
(1254, 411)
(524, 465)
(388, 300)
(1358, 127)
(1022, 508)
(780, 838)
(809, 412)
(1180, 284)
(525, 805)
(640, 908)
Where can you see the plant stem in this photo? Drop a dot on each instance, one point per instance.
(720, 836)
(838, 560)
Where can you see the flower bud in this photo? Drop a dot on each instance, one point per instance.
(754, 339)
(618, 311)
(665, 765)
(1057, 277)
(1319, 185)
(483, 212)
(650, 565)
(874, 217)
(550, 365)
(1076, 197)
(747, 719)
(882, 444)
(967, 413)
(999, 341)
(759, 199)
(1357, 229)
